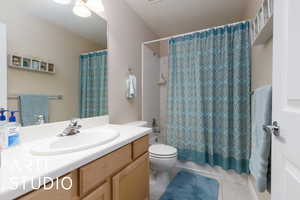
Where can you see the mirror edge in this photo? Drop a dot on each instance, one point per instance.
(3, 66)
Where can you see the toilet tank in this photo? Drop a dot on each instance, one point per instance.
(152, 137)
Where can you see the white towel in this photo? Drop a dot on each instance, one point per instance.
(131, 86)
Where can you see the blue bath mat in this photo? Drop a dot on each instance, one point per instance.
(190, 186)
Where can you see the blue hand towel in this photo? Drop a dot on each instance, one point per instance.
(32, 106)
(261, 140)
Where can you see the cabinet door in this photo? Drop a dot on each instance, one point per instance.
(94, 174)
(133, 181)
(102, 193)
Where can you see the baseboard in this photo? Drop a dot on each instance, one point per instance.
(252, 189)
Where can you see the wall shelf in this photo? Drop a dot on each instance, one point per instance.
(265, 34)
(262, 24)
(30, 69)
(30, 64)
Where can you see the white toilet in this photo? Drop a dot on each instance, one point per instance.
(162, 157)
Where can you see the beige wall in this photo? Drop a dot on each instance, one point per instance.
(31, 36)
(151, 90)
(262, 56)
(164, 69)
(126, 32)
(262, 65)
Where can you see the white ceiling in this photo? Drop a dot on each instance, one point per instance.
(93, 28)
(169, 17)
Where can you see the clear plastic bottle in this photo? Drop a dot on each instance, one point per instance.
(3, 123)
(13, 130)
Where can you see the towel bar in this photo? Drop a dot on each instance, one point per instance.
(50, 97)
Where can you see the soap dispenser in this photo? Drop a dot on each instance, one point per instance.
(13, 130)
(2, 116)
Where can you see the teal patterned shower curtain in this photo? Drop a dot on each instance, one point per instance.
(93, 84)
(209, 97)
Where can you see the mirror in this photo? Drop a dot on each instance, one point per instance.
(57, 60)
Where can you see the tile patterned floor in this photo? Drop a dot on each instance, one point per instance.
(232, 186)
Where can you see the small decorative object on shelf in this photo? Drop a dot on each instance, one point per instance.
(51, 68)
(271, 4)
(256, 26)
(267, 13)
(43, 66)
(26, 62)
(31, 64)
(16, 60)
(36, 64)
(261, 21)
(252, 31)
(262, 24)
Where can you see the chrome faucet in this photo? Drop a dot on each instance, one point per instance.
(72, 129)
(40, 120)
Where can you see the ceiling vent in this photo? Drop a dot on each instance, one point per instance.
(154, 1)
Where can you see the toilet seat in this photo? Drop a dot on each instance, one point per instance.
(162, 151)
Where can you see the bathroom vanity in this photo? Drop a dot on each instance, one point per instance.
(114, 176)
(112, 171)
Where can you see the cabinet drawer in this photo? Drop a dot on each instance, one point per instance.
(95, 173)
(57, 193)
(101, 193)
(140, 147)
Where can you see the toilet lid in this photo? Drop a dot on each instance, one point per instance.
(162, 150)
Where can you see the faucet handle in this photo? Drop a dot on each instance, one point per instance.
(74, 122)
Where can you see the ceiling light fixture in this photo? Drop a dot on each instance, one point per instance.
(64, 2)
(81, 10)
(95, 5)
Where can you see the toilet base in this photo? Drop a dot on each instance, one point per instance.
(162, 178)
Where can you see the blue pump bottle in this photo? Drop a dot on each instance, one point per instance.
(2, 116)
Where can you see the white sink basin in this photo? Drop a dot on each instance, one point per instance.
(84, 140)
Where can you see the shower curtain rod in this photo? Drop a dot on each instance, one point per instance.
(94, 51)
(199, 31)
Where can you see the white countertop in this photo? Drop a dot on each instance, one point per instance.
(21, 170)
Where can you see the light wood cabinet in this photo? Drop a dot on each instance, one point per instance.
(120, 175)
(94, 174)
(140, 146)
(101, 193)
(58, 190)
(133, 181)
